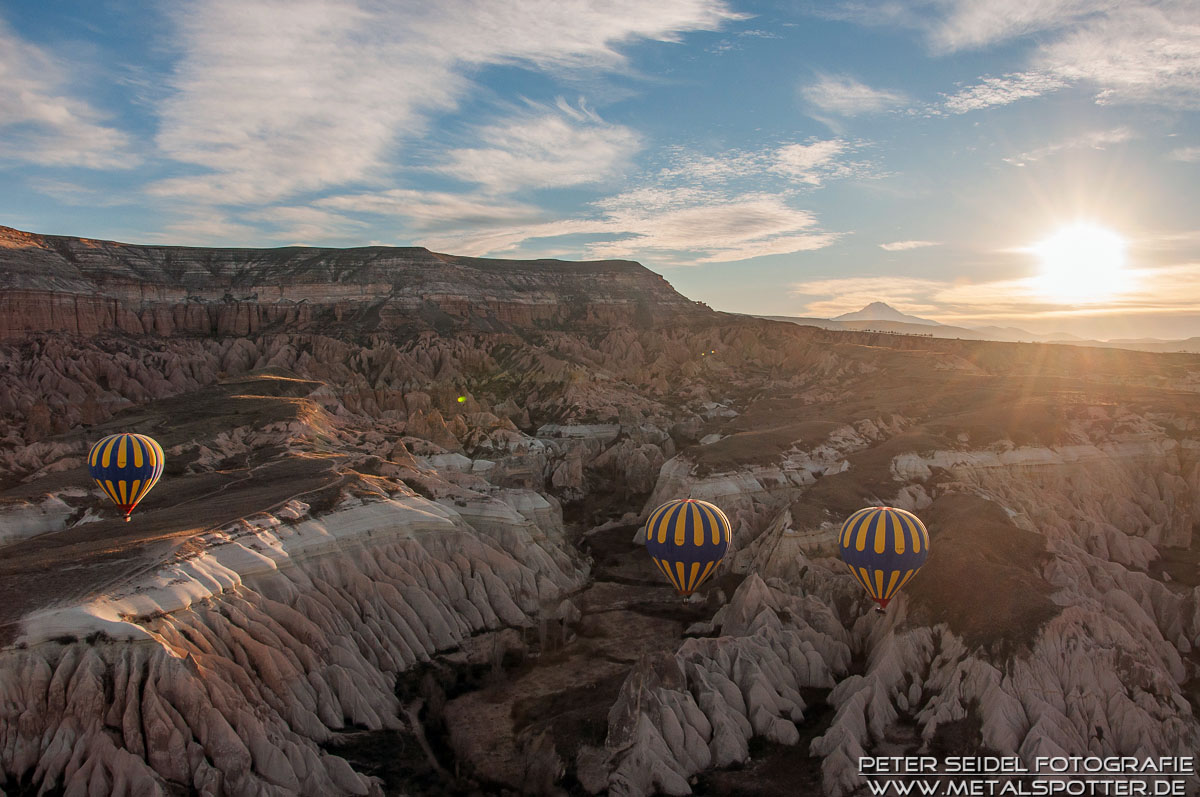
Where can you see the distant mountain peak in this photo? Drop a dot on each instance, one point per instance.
(881, 311)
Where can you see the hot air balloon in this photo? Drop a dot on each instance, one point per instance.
(126, 466)
(884, 548)
(687, 538)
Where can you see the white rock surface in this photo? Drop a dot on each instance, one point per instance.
(225, 670)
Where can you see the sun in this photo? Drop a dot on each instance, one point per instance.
(1083, 263)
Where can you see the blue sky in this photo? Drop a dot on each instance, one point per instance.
(799, 158)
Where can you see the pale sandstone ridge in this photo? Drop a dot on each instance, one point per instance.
(226, 669)
(51, 283)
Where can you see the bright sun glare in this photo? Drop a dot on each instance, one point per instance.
(1082, 263)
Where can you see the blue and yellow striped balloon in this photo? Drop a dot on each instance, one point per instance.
(884, 548)
(126, 466)
(686, 539)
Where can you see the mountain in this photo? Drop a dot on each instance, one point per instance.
(879, 311)
(880, 317)
(1018, 334)
(1188, 345)
(394, 545)
(81, 286)
(1008, 334)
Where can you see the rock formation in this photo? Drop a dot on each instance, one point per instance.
(398, 508)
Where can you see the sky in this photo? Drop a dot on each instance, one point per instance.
(968, 161)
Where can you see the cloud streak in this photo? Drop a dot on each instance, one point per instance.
(268, 110)
(994, 91)
(904, 246)
(42, 122)
(1126, 51)
(845, 96)
(544, 148)
(1098, 139)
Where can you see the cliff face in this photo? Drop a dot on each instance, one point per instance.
(53, 283)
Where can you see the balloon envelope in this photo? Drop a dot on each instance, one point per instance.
(884, 548)
(126, 466)
(686, 539)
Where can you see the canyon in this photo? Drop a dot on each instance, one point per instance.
(396, 547)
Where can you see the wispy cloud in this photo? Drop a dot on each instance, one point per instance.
(77, 195)
(1186, 154)
(306, 223)
(845, 96)
(544, 148)
(1134, 53)
(270, 110)
(818, 161)
(204, 227)
(671, 226)
(993, 91)
(903, 246)
(693, 209)
(715, 230)
(1097, 139)
(977, 23)
(425, 211)
(1128, 51)
(43, 121)
(738, 40)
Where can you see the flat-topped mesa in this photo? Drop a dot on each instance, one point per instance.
(51, 283)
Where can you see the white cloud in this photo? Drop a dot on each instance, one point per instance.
(816, 162)
(675, 226)
(716, 230)
(903, 246)
(1186, 154)
(693, 167)
(434, 210)
(695, 208)
(845, 96)
(41, 122)
(1097, 139)
(1138, 52)
(306, 223)
(810, 163)
(735, 43)
(281, 97)
(993, 91)
(205, 227)
(543, 148)
(977, 23)
(1128, 51)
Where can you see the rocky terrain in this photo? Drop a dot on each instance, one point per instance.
(395, 546)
